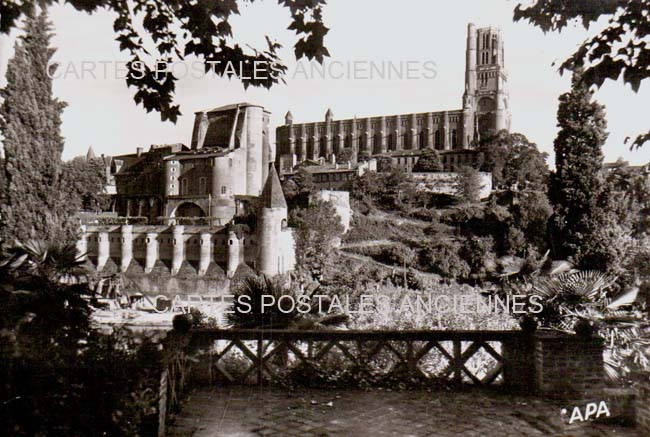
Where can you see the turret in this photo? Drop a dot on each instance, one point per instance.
(234, 254)
(90, 154)
(329, 115)
(288, 118)
(127, 247)
(272, 221)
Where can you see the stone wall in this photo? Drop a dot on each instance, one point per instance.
(445, 182)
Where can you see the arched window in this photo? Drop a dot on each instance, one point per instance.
(438, 139)
(376, 142)
(454, 138)
(422, 139)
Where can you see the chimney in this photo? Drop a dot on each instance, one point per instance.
(139, 151)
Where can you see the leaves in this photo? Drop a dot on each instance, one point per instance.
(34, 204)
(183, 28)
(619, 50)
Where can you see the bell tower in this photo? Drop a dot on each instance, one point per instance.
(485, 101)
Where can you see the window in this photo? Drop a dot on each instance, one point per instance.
(202, 186)
(229, 162)
(224, 189)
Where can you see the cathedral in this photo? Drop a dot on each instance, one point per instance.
(485, 111)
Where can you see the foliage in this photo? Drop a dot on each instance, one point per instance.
(84, 181)
(530, 211)
(399, 255)
(442, 257)
(34, 201)
(366, 228)
(184, 29)
(479, 256)
(54, 362)
(468, 184)
(576, 189)
(292, 309)
(299, 188)
(317, 228)
(615, 51)
(514, 161)
(391, 190)
(390, 311)
(345, 154)
(571, 300)
(429, 161)
(630, 198)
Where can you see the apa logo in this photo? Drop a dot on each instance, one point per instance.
(593, 410)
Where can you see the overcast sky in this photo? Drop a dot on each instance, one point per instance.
(101, 111)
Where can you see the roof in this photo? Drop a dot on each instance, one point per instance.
(272, 195)
(231, 107)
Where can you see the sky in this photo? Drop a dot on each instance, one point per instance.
(101, 112)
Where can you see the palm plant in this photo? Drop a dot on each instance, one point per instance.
(41, 295)
(573, 301)
(254, 289)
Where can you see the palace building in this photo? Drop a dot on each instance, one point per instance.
(191, 218)
(485, 111)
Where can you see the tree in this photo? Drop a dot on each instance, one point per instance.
(184, 28)
(468, 184)
(34, 203)
(442, 257)
(84, 181)
(514, 161)
(478, 254)
(617, 50)
(428, 161)
(630, 198)
(576, 188)
(345, 155)
(318, 226)
(530, 212)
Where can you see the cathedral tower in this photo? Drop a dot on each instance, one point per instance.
(485, 101)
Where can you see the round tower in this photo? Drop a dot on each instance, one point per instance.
(272, 219)
(222, 203)
(254, 149)
(234, 252)
(127, 247)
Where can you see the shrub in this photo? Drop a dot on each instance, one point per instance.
(478, 254)
(398, 255)
(442, 258)
(425, 214)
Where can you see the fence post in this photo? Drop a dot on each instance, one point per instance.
(260, 357)
(162, 404)
(458, 365)
(519, 361)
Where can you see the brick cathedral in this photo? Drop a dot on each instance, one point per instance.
(485, 111)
